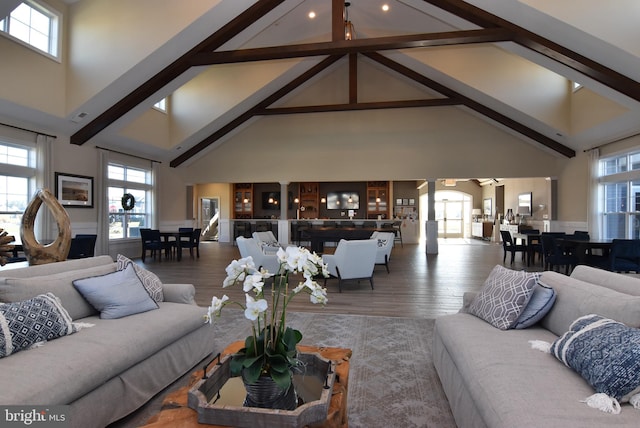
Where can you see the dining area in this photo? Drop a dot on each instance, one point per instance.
(562, 251)
(169, 244)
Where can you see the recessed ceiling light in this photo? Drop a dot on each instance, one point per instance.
(385, 7)
(312, 15)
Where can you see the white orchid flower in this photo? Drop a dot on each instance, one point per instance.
(253, 282)
(254, 308)
(215, 308)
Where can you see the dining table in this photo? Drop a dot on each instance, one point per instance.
(174, 237)
(584, 249)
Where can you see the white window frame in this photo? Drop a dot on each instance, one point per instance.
(29, 172)
(55, 30)
(128, 186)
(626, 178)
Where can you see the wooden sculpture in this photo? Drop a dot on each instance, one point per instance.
(6, 249)
(57, 251)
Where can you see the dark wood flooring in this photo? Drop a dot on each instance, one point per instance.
(418, 286)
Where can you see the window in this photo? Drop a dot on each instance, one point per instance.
(620, 190)
(17, 184)
(137, 182)
(34, 25)
(161, 105)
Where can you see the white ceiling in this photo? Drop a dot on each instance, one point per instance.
(606, 32)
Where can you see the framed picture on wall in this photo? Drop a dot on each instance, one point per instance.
(486, 207)
(74, 190)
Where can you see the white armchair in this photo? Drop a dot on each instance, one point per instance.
(267, 241)
(249, 247)
(385, 245)
(353, 259)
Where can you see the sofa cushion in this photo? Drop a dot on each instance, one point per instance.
(117, 294)
(606, 353)
(577, 298)
(627, 284)
(504, 295)
(150, 280)
(14, 289)
(541, 302)
(25, 323)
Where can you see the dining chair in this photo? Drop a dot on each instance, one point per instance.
(556, 254)
(189, 238)
(82, 246)
(624, 256)
(151, 241)
(534, 246)
(352, 260)
(509, 246)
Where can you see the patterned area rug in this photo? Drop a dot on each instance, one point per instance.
(392, 381)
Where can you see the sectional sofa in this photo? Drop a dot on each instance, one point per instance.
(107, 363)
(498, 378)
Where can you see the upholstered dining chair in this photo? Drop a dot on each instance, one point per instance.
(385, 242)
(352, 260)
(509, 246)
(249, 247)
(624, 256)
(82, 246)
(152, 242)
(190, 239)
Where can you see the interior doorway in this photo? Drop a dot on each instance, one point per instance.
(209, 218)
(452, 211)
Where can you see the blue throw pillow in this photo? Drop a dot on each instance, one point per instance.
(539, 305)
(606, 353)
(26, 323)
(116, 294)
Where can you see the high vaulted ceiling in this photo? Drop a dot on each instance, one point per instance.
(511, 63)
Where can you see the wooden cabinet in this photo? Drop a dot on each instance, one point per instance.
(377, 199)
(482, 229)
(243, 200)
(309, 200)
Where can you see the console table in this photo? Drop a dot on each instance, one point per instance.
(176, 413)
(482, 229)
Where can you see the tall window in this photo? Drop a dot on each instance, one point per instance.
(134, 181)
(35, 25)
(620, 185)
(17, 184)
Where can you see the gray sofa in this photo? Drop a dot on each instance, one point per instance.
(109, 370)
(493, 378)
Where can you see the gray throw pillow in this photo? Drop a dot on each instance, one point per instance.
(541, 302)
(504, 295)
(117, 294)
(150, 280)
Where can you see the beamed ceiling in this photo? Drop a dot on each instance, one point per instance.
(443, 47)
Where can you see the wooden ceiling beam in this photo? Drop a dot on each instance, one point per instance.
(172, 71)
(377, 105)
(474, 105)
(343, 47)
(542, 46)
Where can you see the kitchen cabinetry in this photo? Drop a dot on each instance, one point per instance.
(243, 200)
(377, 199)
(309, 197)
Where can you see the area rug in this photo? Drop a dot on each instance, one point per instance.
(392, 381)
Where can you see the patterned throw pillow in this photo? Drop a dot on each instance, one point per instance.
(150, 280)
(504, 295)
(26, 323)
(606, 353)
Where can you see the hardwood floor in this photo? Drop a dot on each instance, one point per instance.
(418, 286)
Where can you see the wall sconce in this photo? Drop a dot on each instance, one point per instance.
(323, 200)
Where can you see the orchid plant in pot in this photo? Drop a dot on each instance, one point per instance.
(269, 353)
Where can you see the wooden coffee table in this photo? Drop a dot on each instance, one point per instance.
(176, 413)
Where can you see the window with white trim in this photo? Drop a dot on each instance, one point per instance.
(620, 189)
(137, 182)
(17, 184)
(35, 25)
(161, 105)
